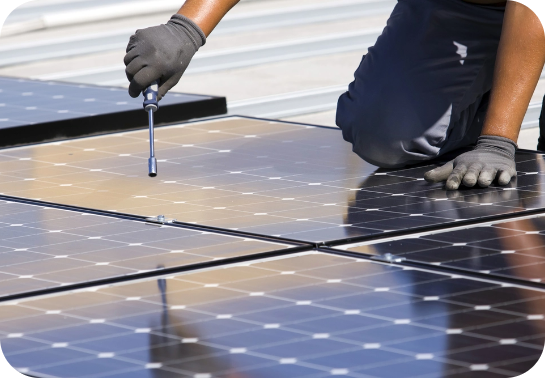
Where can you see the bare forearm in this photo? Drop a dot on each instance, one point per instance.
(520, 60)
(206, 13)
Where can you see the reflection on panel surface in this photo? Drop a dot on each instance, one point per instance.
(310, 315)
(41, 248)
(273, 178)
(513, 249)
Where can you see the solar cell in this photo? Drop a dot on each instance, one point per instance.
(266, 177)
(307, 315)
(43, 248)
(33, 111)
(513, 249)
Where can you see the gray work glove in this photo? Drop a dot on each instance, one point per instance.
(492, 156)
(162, 53)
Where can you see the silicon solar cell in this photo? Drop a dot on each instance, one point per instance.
(272, 178)
(33, 111)
(513, 249)
(308, 315)
(43, 248)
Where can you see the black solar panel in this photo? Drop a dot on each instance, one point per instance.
(34, 111)
(514, 249)
(308, 315)
(43, 248)
(265, 177)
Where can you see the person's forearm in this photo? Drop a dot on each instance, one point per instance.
(520, 60)
(206, 13)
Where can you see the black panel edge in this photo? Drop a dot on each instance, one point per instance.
(109, 123)
(157, 273)
(140, 218)
(464, 273)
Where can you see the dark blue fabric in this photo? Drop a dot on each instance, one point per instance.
(414, 96)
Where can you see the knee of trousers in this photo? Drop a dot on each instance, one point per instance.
(379, 139)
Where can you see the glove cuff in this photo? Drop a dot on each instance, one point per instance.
(502, 145)
(193, 30)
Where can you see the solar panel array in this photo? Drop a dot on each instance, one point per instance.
(264, 262)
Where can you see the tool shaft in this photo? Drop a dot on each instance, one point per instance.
(152, 162)
(151, 105)
(151, 134)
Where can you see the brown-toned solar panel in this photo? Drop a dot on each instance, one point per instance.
(266, 177)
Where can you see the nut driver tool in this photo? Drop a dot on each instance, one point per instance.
(151, 105)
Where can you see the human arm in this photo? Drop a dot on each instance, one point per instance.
(519, 63)
(206, 13)
(163, 52)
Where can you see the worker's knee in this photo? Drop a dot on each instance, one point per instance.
(381, 150)
(376, 137)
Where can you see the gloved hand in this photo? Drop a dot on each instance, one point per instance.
(162, 53)
(492, 156)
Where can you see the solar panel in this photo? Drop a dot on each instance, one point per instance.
(264, 177)
(513, 249)
(43, 248)
(308, 315)
(34, 111)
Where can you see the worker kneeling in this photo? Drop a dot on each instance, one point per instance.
(443, 75)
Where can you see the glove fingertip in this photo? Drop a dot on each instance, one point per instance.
(134, 92)
(469, 182)
(429, 176)
(161, 94)
(504, 179)
(453, 182)
(484, 183)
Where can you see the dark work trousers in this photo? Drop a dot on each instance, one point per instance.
(423, 89)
